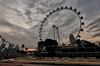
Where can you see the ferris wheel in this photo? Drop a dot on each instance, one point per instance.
(49, 20)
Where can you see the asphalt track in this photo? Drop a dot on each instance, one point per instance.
(27, 61)
(59, 62)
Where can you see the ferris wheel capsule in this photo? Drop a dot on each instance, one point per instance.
(81, 17)
(53, 11)
(61, 7)
(82, 23)
(75, 10)
(71, 8)
(78, 13)
(39, 35)
(41, 25)
(66, 7)
(44, 19)
(47, 15)
(82, 30)
(57, 9)
(40, 28)
(50, 13)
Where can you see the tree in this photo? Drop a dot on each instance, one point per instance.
(26, 48)
(23, 45)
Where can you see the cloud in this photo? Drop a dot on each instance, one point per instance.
(20, 19)
(13, 24)
(28, 14)
(31, 3)
(97, 30)
(68, 21)
(94, 26)
(96, 35)
(96, 21)
(90, 8)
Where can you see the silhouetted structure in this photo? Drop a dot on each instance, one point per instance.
(76, 48)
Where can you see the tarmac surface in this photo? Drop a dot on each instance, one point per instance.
(31, 61)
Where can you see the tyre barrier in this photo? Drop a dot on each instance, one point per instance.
(77, 59)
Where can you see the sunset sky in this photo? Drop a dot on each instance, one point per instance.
(20, 19)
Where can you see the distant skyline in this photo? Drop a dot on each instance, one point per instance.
(20, 19)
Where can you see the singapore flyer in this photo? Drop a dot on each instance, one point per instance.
(60, 23)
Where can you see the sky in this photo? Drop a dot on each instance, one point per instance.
(20, 20)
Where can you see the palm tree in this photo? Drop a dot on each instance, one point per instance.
(22, 51)
(23, 45)
(26, 48)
